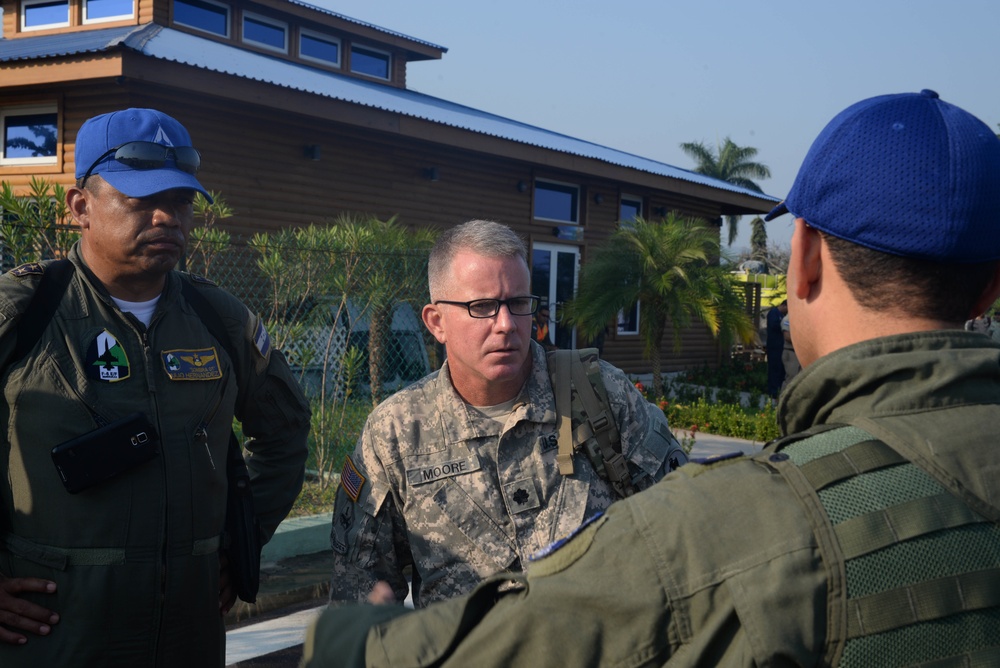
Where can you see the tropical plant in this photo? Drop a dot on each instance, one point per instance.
(730, 163)
(207, 242)
(35, 226)
(758, 240)
(670, 267)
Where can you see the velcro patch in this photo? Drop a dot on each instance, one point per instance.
(521, 495)
(192, 364)
(566, 551)
(441, 470)
(351, 480)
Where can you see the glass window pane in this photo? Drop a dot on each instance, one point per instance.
(556, 202)
(630, 209)
(313, 46)
(628, 320)
(264, 32)
(30, 136)
(97, 10)
(372, 63)
(54, 13)
(202, 15)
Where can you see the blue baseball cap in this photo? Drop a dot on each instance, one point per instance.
(906, 174)
(101, 135)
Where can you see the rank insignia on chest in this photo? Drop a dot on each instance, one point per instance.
(106, 359)
(200, 364)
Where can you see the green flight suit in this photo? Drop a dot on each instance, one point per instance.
(734, 563)
(136, 559)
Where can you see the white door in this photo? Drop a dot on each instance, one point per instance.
(554, 270)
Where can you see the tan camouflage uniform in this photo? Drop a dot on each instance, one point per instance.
(435, 484)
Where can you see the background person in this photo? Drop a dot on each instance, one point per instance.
(128, 572)
(774, 347)
(540, 328)
(870, 534)
(456, 475)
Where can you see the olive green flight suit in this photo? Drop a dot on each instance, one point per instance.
(136, 559)
(742, 562)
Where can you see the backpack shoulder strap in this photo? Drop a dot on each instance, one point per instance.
(579, 391)
(43, 305)
(208, 316)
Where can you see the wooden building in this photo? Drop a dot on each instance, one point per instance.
(301, 113)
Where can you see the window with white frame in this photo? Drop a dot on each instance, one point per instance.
(43, 14)
(30, 135)
(319, 48)
(206, 15)
(370, 62)
(265, 32)
(101, 11)
(557, 201)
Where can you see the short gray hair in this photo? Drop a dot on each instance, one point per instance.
(483, 237)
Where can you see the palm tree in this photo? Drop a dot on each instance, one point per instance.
(670, 268)
(758, 240)
(732, 164)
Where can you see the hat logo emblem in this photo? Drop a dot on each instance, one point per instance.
(161, 137)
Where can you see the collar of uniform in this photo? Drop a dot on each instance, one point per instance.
(535, 402)
(893, 375)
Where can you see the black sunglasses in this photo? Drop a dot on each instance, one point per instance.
(149, 155)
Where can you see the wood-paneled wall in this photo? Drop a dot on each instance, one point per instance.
(256, 158)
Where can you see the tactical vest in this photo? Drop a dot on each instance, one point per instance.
(585, 419)
(914, 571)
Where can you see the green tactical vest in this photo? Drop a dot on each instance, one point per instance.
(917, 568)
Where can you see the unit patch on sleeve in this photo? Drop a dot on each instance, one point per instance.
(256, 333)
(192, 364)
(106, 359)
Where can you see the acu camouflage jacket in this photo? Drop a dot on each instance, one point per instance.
(435, 484)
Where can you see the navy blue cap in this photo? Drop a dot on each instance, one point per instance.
(906, 174)
(100, 134)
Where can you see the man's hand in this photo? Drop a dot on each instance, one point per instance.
(16, 614)
(381, 594)
(227, 594)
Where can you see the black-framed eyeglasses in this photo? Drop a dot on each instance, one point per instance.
(487, 308)
(150, 155)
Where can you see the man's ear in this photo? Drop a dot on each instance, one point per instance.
(432, 320)
(989, 296)
(805, 265)
(77, 200)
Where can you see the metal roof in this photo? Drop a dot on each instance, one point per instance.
(366, 25)
(167, 44)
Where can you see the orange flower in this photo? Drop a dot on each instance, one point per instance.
(639, 386)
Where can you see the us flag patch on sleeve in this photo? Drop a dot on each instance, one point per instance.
(351, 480)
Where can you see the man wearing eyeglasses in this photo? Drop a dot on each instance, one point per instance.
(455, 477)
(128, 571)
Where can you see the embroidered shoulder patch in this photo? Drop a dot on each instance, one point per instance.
(200, 364)
(566, 551)
(351, 480)
(29, 269)
(195, 278)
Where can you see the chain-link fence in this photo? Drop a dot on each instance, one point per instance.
(342, 301)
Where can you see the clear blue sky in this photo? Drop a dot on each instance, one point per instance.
(645, 75)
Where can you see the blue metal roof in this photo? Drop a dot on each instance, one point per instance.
(167, 44)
